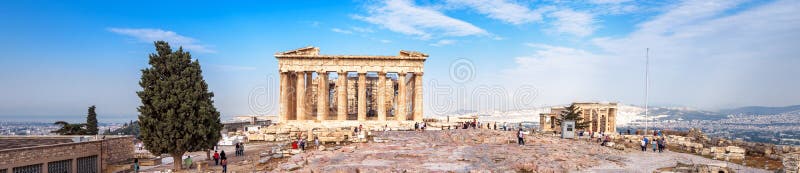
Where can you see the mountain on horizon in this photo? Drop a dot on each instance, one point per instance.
(762, 110)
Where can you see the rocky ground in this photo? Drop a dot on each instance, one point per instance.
(470, 150)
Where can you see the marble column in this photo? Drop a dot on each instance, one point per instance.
(322, 96)
(362, 96)
(418, 97)
(341, 96)
(401, 97)
(292, 98)
(381, 96)
(284, 97)
(309, 105)
(301, 96)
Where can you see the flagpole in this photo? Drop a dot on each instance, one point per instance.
(646, 88)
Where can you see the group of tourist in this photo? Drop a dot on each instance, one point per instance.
(220, 159)
(658, 143)
(420, 126)
(239, 149)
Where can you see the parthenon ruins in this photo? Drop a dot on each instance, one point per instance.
(316, 87)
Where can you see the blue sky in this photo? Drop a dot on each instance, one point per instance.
(61, 57)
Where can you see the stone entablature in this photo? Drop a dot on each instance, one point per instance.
(308, 93)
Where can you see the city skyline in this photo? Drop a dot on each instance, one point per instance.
(59, 58)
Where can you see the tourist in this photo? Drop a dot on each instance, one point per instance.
(605, 140)
(629, 131)
(655, 143)
(241, 149)
(222, 154)
(360, 127)
(188, 162)
(216, 158)
(136, 165)
(316, 142)
(416, 126)
(520, 140)
(224, 164)
(644, 144)
(303, 144)
(236, 151)
(661, 145)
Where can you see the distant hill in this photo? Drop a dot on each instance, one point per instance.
(762, 110)
(686, 114)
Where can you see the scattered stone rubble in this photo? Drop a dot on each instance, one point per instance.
(695, 168)
(791, 163)
(452, 150)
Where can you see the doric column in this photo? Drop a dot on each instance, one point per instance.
(341, 96)
(401, 97)
(362, 96)
(284, 98)
(322, 96)
(381, 96)
(301, 95)
(418, 97)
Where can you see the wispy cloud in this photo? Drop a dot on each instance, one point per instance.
(699, 55)
(341, 31)
(573, 22)
(503, 10)
(405, 17)
(443, 43)
(149, 35)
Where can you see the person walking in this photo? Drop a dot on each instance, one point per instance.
(222, 154)
(224, 164)
(241, 149)
(236, 150)
(655, 144)
(136, 165)
(316, 142)
(216, 158)
(520, 140)
(644, 144)
(661, 145)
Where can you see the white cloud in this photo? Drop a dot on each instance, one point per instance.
(503, 10)
(386, 41)
(149, 35)
(443, 43)
(573, 22)
(405, 17)
(608, 1)
(342, 31)
(700, 56)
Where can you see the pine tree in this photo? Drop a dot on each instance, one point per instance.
(69, 129)
(177, 114)
(573, 112)
(91, 122)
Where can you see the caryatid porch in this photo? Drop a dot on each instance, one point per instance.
(365, 87)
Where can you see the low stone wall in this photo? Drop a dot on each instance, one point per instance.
(113, 150)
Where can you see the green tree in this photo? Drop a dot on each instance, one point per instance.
(69, 129)
(177, 114)
(573, 112)
(91, 121)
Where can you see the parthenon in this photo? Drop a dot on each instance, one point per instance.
(316, 87)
